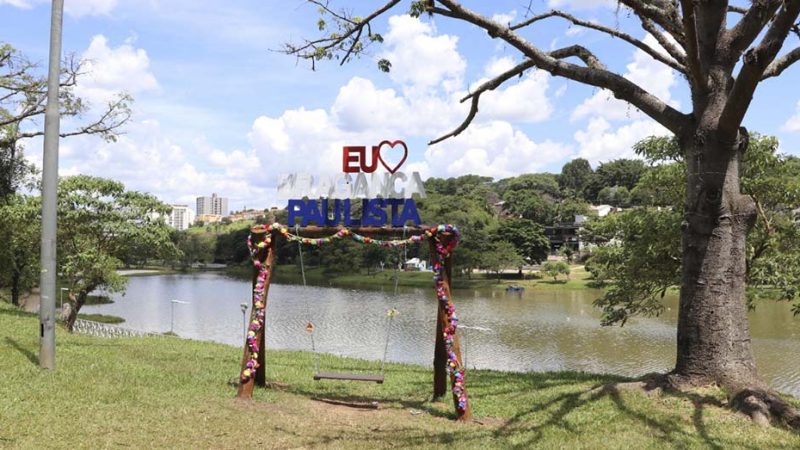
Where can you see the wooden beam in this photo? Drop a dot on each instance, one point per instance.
(439, 350)
(266, 256)
(440, 356)
(319, 232)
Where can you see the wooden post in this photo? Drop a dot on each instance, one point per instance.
(266, 256)
(440, 351)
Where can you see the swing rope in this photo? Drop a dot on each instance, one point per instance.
(390, 313)
(310, 326)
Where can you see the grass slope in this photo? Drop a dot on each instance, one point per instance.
(173, 393)
(578, 280)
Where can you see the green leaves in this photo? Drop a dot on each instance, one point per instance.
(640, 253)
(555, 268)
(384, 65)
(101, 225)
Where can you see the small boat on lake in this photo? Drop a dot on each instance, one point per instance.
(514, 288)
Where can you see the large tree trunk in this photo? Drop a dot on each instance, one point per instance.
(713, 335)
(76, 305)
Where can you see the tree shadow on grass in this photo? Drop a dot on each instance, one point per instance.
(27, 353)
(667, 429)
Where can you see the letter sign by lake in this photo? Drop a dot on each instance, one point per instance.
(378, 200)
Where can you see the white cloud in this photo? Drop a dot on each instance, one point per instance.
(505, 18)
(525, 101)
(497, 66)
(112, 70)
(793, 124)
(25, 4)
(646, 72)
(75, 8)
(80, 8)
(493, 149)
(582, 4)
(421, 59)
(360, 105)
(600, 142)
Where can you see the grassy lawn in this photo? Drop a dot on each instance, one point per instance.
(579, 279)
(161, 392)
(101, 318)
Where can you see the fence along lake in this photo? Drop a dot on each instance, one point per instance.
(527, 331)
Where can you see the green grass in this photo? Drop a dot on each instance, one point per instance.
(162, 392)
(101, 318)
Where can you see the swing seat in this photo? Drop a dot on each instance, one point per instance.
(348, 377)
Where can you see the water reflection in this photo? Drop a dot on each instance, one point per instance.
(529, 331)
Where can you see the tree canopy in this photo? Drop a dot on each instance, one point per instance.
(98, 221)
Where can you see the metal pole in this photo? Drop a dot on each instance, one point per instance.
(47, 278)
(171, 316)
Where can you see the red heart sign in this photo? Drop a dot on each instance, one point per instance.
(391, 145)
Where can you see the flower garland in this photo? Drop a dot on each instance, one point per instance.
(259, 307)
(453, 365)
(442, 252)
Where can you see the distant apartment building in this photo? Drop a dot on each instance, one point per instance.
(248, 214)
(181, 217)
(213, 205)
(209, 218)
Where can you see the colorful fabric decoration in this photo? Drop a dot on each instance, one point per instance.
(457, 373)
(259, 308)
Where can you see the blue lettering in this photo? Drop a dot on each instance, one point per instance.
(410, 213)
(296, 209)
(373, 212)
(374, 215)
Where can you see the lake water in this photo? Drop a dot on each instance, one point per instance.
(529, 331)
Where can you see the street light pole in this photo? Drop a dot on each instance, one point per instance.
(244, 319)
(52, 117)
(172, 314)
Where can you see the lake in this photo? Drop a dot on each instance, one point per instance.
(528, 331)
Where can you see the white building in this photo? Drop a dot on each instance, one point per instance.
(416, 264)
(181, 217)
(212, 205)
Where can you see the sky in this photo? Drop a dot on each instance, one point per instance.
(218, 108)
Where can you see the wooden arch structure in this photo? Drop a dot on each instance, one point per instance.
(442, 240)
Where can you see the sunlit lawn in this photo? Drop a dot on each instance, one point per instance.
(173, 393)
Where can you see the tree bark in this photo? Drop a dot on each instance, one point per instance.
(714, 343)
(78, 302)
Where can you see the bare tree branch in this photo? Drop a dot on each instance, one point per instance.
(756, 61)
(737, 9)
(574, 50)
(779, 65)
(658, 56)
(751, 24)
(665, 15)
(663, 39)
(621, 87)
(692, 47)
(475, 96)
(313, 49)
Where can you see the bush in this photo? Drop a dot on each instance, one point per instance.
(555, 268)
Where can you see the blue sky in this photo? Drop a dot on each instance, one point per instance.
(217, 110)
